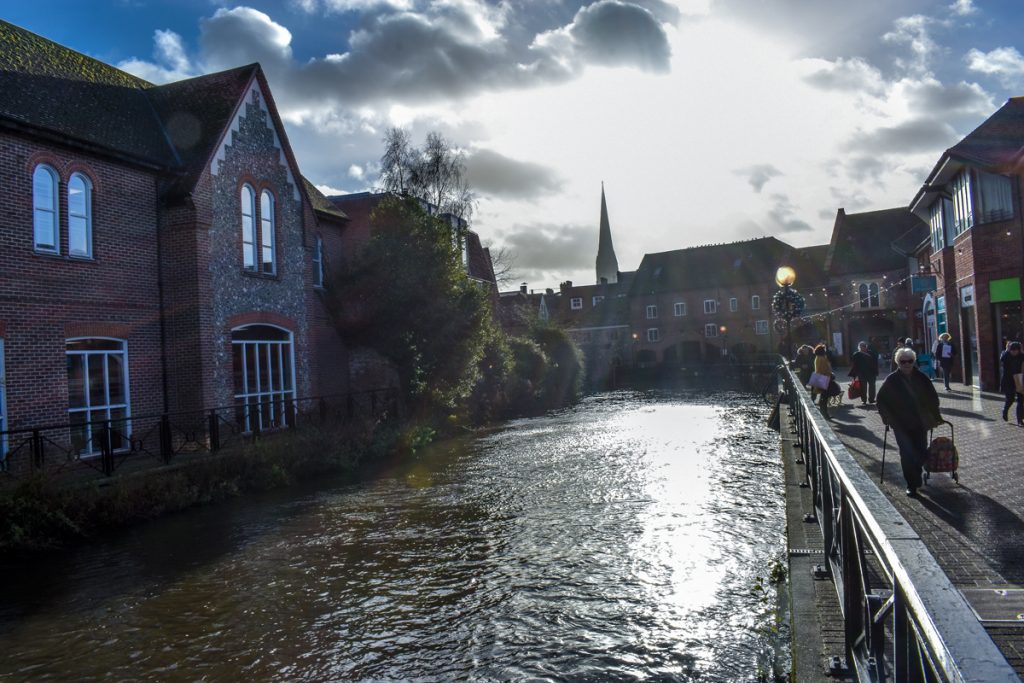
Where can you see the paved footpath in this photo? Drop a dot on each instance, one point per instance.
(975, 530)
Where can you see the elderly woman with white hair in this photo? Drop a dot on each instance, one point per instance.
(908, 403)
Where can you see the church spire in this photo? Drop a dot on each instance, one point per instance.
(607, 264)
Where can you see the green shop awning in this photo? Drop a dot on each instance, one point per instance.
(1007, 289)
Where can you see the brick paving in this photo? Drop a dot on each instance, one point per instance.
(975, 529)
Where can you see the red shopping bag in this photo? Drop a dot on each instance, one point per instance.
(854, 390)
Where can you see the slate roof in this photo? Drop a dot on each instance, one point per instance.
(47, 86)
(752, 262)
(862, 242)
(320, 201)
(613, 310)
(996, 144)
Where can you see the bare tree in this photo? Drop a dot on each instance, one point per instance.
(435, 173)
(503, 262)
(397, 164)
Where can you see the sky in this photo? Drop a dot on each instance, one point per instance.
(707, 121)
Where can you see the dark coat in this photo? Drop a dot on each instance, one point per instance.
(865, 366)
(937, 353)
(1011, 366)
(804, 367)
(908, 407)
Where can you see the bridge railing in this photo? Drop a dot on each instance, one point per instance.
(904, 621)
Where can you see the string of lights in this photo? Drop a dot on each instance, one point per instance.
(857, 302)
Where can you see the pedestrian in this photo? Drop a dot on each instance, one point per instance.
(1012, 362)
(822, 366)
(908, 403)
(865, 368)
(945, 352)
(804, 363)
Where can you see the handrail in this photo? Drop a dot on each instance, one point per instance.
(904, 620)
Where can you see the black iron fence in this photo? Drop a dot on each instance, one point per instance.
(105, 445)
(903, 618)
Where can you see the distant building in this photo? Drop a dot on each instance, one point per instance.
(607, 264)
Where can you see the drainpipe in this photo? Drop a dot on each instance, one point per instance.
(160, 295)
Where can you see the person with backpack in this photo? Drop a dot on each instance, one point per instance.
(908, 403)
(945, 352)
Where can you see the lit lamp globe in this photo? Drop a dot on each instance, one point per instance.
(785, 276)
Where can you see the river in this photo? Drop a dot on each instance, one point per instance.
(621, 539)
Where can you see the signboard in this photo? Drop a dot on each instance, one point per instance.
(919, 284)
(967, 296)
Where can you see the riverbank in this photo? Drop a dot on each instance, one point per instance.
(39, 514)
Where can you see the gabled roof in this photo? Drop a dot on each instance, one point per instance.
(752, 262)
(862, 242)
(320, 202)
(195, 113)
(47, 87)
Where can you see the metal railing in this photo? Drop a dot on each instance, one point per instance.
(105, 445)
(904, 620)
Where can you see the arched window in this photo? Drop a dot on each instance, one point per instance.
(267, 232)
(79, 216)
(318, 263)
(248, 228)
(263, 376)
(44, 209)
(97, 393)
(862, 294)
(873, 295)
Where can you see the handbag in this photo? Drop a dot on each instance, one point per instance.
(819, 381)
(834, 389)
(854, 390)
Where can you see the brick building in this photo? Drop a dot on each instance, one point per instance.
(161, 251)
(971, 201)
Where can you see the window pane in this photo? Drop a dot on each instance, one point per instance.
(97, 387)
(115, 376)
(95, 345)
(42, 189)
(250, 368)
(76, 381)
(79, 433)
(287, 367)
(119, 428)
(78, 236)
(237, 360)
(45, 234)
(264, 368)
(77, 196)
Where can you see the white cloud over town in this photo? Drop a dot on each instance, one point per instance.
(707, 120)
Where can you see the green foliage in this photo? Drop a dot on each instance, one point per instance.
(407, 296)
(563, 379)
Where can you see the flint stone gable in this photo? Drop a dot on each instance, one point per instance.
(252, 153)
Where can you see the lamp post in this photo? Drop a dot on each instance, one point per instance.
(787, 303)
(723, 331)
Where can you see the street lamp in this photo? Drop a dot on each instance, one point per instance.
(723, 331)
(787, 303)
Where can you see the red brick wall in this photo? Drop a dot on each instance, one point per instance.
(44, 298)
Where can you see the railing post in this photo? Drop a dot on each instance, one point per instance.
(37, 450)
(214, 429)
(166, 440)
(106, 449)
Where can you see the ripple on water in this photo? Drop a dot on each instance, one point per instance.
(616, 540)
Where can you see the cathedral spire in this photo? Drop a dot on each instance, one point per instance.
(607, 264)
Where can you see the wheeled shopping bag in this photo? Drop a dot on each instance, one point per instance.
(942, 456)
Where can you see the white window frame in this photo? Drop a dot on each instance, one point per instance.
(652, 311)
(963, 202)
(760, 327)
(275, 395)
(596, 300)
(653, 334)
(52, 210)
(755, 303)
(268, 245)
(869, 295)
(710, 330)
(247, 200)
(710, 307)
(995, 197)
(83, 218)
(679, 309)
(576, 303)
(90, 356)
(734, 304)
(318, 262)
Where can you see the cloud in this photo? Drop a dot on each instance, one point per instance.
(1004, 62)
(914, 32)
(915, 135)
(172, 63)
(551, 247)
(781, 216)
(758, 175)
(234, 37)
(854, 75)
(498, 175)
(609, 33)
(963, 7)
(942, 101)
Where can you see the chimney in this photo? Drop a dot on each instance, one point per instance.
(604, 281)
(522, 288)
(565, 285)
(549, 291)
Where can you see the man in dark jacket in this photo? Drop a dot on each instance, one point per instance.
(908, 403)
(865, 368)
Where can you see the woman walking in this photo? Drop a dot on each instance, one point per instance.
(908, 403)
(1011, 361)
(945, 352)
(822, 367)
(865, 368)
